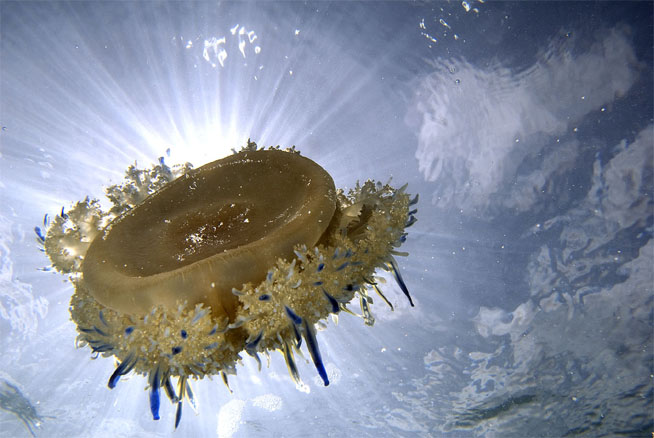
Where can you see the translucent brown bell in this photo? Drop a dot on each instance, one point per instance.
(213, 229)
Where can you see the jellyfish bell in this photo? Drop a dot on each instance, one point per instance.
(215, 229)
(191, 268)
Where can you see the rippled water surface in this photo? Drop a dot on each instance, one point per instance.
(526, 128)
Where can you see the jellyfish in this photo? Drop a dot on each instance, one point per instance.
(12, 400)
(191, 268)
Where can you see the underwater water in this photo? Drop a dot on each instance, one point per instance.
(525, 127)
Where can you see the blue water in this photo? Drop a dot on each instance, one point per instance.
(526, 128)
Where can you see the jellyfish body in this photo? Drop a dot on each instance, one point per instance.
(215, 229)
(245, 254)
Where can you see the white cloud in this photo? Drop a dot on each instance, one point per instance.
(477, 124)
(229, 418)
